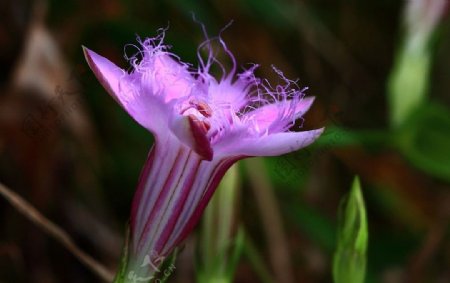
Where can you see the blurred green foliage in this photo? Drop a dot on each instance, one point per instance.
(220, 246)
(425, 140)
(347, 52)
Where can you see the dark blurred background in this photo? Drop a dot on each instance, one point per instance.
(71, 151)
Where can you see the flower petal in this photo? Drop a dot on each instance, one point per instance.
(148, 110)
(227, 94)
(303, 106)
(171, 77)
(273, 144)
(266, 115)
(106, 72)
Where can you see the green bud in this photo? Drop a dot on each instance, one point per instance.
(349, 262)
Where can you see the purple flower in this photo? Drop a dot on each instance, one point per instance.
(201, 127)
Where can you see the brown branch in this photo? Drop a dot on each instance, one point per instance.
(54, 231)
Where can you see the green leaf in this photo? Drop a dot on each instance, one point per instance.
(425, 138)
(219, 247)
(256, 261)
(349, 262)
(408, 83)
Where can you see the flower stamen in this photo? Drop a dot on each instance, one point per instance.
(202, 107)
